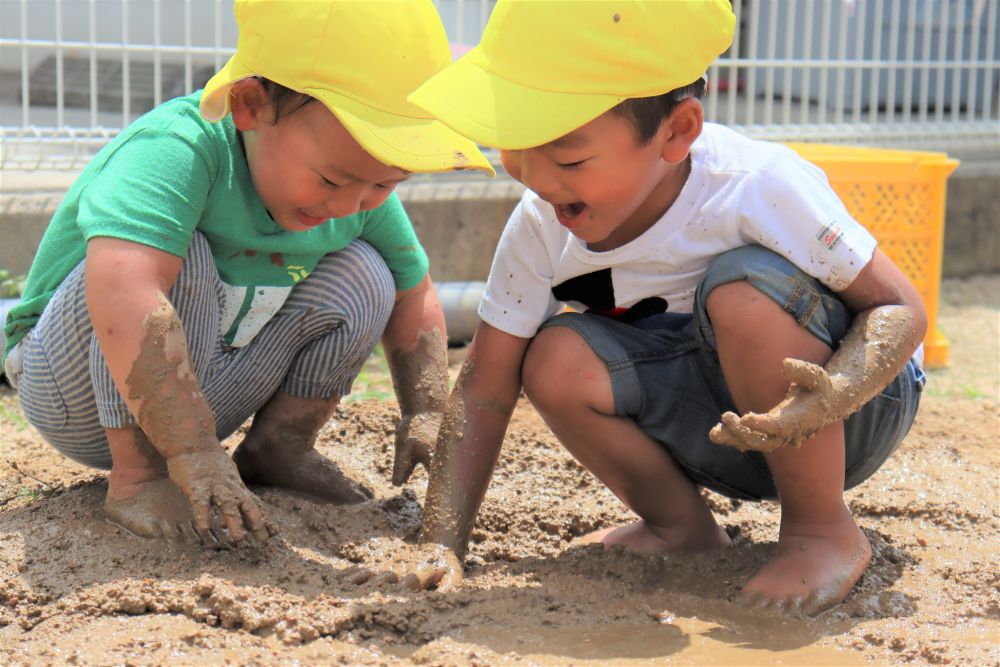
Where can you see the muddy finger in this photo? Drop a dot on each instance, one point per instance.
(356, 575)
(365, 491)
(807, 375)
(403, 469)
(411, 582)
(450, 580)
(384, 579)
(202, 511)
(233, 519)
(254, 520)
(219, 530)
(168, 531)
(434, 577)
(184, 531)
(766, 426)
(722, 435)
(750, 439)
(422, 580)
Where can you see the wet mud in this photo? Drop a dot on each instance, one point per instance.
(75, 589)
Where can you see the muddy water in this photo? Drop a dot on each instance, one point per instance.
(682, 641)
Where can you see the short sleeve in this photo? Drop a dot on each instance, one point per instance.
(790, 208)
(151, 190)
(518, 296)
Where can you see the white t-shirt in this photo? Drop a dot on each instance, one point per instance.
(739, 192)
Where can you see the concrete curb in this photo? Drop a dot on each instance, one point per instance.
(459, 222)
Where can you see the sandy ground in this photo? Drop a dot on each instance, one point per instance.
(76, 590)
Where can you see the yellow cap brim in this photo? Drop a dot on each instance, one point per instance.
(419, 145)
(495, 112)
(214, 104)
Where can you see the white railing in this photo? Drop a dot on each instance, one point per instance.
(905, 73)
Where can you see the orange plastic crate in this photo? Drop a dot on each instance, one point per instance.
(899, 196)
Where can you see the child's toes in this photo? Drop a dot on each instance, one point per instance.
(748, 599)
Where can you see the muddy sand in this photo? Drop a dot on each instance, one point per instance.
(77, 590)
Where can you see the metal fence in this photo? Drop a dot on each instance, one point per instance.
(905, 73)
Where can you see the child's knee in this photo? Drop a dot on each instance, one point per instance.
(352, 286)
(560, 368)
(739, 307)
(754, 292)
(544, 363)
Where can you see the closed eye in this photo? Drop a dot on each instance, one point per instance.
(330, 183)
(570, 165)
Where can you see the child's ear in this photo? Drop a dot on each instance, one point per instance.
(681, 129)
(249, 103)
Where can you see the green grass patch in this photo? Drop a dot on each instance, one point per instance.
(11, 286)
(374, 382)
(10, 411)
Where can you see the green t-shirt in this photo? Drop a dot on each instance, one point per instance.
(170, 173)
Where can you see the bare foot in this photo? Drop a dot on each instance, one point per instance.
(157, 508)
(308, 472)
(814, 569)
(645, 538)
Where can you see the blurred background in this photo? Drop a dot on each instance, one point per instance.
(907, 73)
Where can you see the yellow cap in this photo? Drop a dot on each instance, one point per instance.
(547, 67)
(360, 58)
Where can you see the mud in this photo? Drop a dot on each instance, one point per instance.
(75, 589)
(171, 408)
(420, 380)
(873, 352)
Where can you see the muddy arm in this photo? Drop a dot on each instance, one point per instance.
(143, 344)
(890, 324)
(468, 445)
(416, 348)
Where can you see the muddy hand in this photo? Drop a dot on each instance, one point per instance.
(431, 566)
(426, 567)
(422, 568)
(805, 410)
(213, 486)
(415, 437)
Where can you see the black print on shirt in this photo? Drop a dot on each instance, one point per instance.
(597, 291)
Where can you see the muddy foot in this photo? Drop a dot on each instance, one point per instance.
(310, 473)
(160, 510)
(809, 573)
(644, 538)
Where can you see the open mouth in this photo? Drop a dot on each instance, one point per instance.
(570, 215)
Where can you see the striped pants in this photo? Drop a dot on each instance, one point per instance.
(314, 347)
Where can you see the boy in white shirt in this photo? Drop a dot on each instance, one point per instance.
(707, 271)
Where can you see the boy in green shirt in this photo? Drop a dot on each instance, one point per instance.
(238, 253)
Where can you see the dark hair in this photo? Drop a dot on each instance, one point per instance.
(646, 113)
(285, 101)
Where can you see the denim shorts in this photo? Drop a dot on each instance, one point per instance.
(665, 375)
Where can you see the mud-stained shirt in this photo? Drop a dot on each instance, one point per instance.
(171, 173)
(739, 192)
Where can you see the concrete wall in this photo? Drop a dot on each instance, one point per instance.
(972, 224)
(459, 222)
